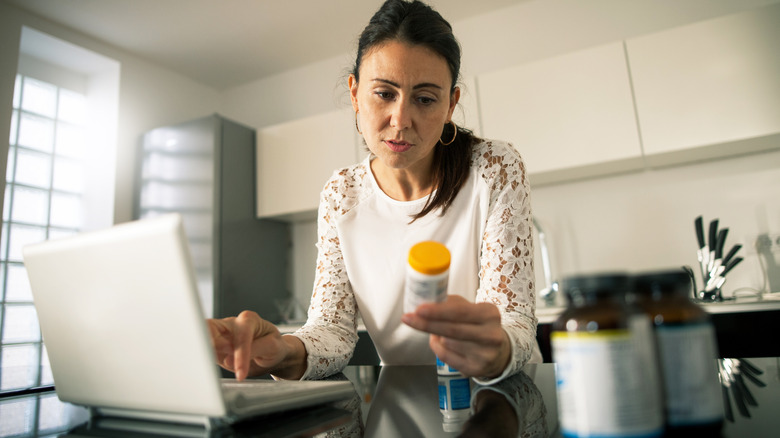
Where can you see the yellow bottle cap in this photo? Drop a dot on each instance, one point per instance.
(429, 257)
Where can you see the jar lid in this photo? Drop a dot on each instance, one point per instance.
(672, 280)
(429, 257)
(596, 284)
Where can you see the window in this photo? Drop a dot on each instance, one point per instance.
(43, 197)
(60, 180)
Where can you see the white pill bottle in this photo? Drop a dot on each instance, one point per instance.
(426, 274)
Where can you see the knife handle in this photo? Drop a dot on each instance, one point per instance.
(728, 411)
(713, 234)
(699, 223)
(721, 242)
(731, 265)
(731, 253)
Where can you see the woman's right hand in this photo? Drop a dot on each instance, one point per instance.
(248, 345)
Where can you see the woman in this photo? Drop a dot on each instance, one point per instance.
(425, 179)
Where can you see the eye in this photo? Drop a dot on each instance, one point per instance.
(385, 95)
(425, 100)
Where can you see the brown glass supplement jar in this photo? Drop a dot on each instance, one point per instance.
(607, 378)
(686, 347)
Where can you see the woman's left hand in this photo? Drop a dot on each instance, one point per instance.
(466, 336)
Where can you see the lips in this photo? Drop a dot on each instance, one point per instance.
(398, 146)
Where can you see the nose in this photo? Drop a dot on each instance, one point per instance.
(400, 117)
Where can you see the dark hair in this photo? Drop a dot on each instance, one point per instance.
(418, 24)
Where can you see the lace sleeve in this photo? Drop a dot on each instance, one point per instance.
(330, 332)
(506, 263)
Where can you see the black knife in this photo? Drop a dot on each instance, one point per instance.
(749, 367)
(739, 398)
(731, 265)
(727, 403)
(731, 253)
(700, 232)
(713, 243)
(749, 399)
(702, 253)
(721, 243)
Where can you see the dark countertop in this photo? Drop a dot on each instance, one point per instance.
(743, 328)
(388, 402)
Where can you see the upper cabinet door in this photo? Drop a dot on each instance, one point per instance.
(295, 159)
(708, 85)
(569, 116)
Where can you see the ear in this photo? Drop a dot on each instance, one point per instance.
(454, 99)
(353, 88)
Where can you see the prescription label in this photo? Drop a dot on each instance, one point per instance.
(604, 384)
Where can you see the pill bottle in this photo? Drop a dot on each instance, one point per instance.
(454, 401)
(426, 274)
(443, 369)
(685, 339)
(607, 377)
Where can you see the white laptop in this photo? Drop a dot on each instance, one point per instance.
(126, 335)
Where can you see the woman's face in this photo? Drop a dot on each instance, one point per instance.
(404, 99)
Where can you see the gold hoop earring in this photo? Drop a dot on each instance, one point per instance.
(356, 124)
(454, 134)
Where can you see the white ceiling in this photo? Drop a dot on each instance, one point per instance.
(223, 43)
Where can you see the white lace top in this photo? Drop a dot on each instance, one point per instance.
(364, 238)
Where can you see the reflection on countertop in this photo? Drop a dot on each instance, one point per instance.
(399, 401)
(390, 402)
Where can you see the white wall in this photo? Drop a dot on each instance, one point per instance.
(645, 220)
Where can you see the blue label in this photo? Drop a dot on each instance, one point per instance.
(454, 393)
(571, 434)
(460, 393)
(440, 364)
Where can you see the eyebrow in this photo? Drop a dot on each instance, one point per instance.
(418, 86)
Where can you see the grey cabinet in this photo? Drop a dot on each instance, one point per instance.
(204, 169)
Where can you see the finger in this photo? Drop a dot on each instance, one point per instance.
(489, 331)
(456, 308)
(218, 329)
(486, 340)
(247, 327)
(221, 338)
(471, 359)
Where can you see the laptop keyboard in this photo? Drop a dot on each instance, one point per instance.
(265, 387)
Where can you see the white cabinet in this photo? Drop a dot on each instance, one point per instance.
(295, 159)
(569, 116)
(709, 89)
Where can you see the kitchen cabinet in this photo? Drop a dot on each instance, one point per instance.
(570, 116)
(296, 158)
(709, 89)
(204, 170)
